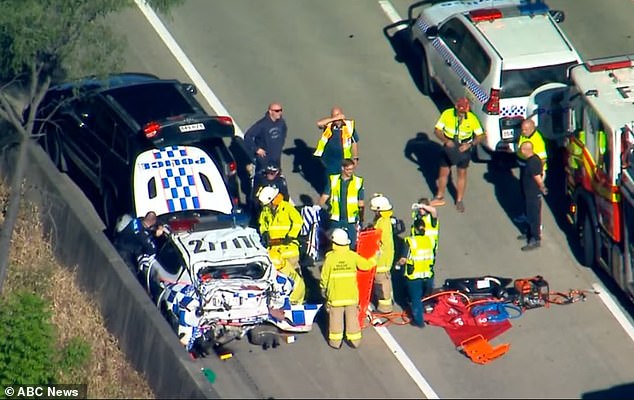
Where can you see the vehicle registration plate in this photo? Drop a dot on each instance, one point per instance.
(192, 128)
(508, 133)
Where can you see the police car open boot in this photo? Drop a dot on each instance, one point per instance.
(532, 245)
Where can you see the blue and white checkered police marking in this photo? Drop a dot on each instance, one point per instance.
(178, 182)
(472, 85)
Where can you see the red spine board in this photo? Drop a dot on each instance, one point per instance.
(367, 246)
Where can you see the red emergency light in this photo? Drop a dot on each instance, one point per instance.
(485, 14)
(225, 120)
(183, 225)
(609, 64)
(151, 129)
(492, 107)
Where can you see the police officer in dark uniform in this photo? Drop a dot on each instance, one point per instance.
(138, 238)
(534, 189)
(271, 176)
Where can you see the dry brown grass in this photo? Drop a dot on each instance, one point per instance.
(75, 314)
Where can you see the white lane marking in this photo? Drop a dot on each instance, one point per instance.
(185, 62)
(615, 309)
(215, 103)
(391, 12)
(406, 362)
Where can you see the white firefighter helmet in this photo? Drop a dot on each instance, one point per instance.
(267, 194)
(380, 203)
(340, 237)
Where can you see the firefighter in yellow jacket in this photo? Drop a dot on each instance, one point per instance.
(383, 277)
(280, 224)
(418, 257)
(339, 287)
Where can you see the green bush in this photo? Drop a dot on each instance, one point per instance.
(27, 340)
(73, 358)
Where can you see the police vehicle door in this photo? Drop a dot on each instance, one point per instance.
(443, 56)
(547, 107)
(601, 148)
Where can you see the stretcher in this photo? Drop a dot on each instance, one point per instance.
(368, 241)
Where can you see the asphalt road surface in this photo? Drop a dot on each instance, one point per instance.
(310, 55)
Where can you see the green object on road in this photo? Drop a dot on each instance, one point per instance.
(209, 374)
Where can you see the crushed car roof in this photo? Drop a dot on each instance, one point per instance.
(228, 246)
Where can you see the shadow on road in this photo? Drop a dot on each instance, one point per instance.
(397, 35)
(506, 188)
(425, 154)
(615, 392)
(307, 165)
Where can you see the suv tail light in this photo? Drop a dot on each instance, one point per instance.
(233, 168)
(486, 14)
(151, 129)
(225, 120)
(492, 107)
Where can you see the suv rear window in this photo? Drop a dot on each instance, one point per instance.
(522, 82)
(151, 102)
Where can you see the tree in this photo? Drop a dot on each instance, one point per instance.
(43, 42)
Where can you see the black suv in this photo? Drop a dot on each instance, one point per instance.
(99, 126)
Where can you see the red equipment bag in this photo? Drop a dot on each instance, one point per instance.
(367, 246)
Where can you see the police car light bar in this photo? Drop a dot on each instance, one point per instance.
(609, 63)
(533, 8)
(485, 14)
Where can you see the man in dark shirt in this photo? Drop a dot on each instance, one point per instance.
(534, 189)
(265, 139)
(272, 176)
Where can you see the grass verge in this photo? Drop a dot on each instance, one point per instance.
(84, 351)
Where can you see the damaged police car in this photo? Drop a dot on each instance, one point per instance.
(210, 277)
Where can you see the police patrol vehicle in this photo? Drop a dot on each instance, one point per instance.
(508, 57)
(211, 276)
(599, 164)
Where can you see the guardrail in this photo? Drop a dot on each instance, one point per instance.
(143, 334)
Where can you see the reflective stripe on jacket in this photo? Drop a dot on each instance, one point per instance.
(347, 129)
(420, 261)
(284, 221)
(352, 201)
(386, 247)
(431, 229)
(339, 275)
(448, 124)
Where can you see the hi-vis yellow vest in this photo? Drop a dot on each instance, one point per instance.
(286, 221)
(539, 146)
(421, 257)
(352, 201)
(346, 139)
